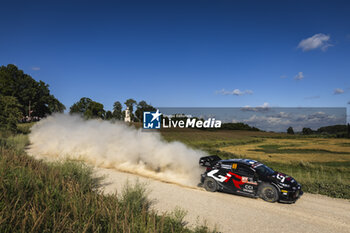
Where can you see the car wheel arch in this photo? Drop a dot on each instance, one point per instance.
(214, 185)
(269, 184)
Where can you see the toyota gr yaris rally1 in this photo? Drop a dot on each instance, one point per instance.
(250, 178)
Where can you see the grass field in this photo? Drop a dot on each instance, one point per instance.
(36, 196)
(321, 165)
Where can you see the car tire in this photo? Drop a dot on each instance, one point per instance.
(210, 184)
(268, 193)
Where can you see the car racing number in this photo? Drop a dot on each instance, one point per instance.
(281, 177)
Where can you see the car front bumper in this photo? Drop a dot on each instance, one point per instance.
(290, 196)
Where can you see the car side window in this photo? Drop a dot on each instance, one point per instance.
(244, 170)
(226, 165)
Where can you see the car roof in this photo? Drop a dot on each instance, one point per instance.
(248, 162)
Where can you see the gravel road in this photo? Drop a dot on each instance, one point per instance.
(232, 213)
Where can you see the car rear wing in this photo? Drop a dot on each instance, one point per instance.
(209, 161)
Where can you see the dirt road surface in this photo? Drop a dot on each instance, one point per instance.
(232, 213)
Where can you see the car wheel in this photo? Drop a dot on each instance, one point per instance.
(210, 184)
(268, 193)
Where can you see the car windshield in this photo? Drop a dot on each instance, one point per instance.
(264, 170)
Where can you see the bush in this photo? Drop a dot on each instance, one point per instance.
(290, 130)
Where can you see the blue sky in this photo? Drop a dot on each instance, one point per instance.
(184, 53)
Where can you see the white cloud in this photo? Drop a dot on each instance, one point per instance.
(299, 76)
(317, 41)
(271, 121)
(265, 105)
(236, 92)
(338, 91)
(281, 120)
(35, 68)
(262, 108)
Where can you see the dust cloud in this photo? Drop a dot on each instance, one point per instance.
(115, 145)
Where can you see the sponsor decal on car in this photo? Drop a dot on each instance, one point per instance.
(236, 179)
(248, 188)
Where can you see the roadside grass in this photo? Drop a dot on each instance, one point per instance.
(319, 178)
(36, 196)
(24, 128)
(15, 142)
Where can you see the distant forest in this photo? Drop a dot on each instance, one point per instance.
(339, 131)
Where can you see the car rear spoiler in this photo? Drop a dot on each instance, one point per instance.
(209, 161)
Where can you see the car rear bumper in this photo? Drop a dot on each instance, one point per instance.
(202, 178)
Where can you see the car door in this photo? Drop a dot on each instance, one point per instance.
(225, 171)
(220, 174)
(245, 179)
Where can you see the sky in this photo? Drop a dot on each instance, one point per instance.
(183, 53)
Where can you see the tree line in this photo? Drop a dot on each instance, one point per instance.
(340, 131)
(88, 109)
(22, 97)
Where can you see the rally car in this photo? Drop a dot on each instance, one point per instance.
(248, 177)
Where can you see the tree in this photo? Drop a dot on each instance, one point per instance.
(307, 131)
(290, 130)
(95, 110)
(10, 112)
(27, 91)
(88, 108)
(130, 104)
(81, 106)
(55, 106)
(109, 115)
(142, 106)
(117, 110)
(238, 126)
